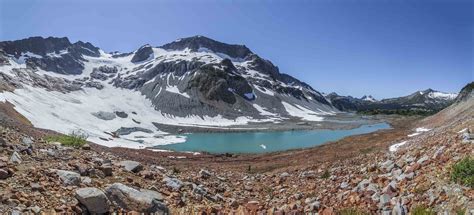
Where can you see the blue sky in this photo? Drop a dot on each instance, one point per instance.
(378, 47)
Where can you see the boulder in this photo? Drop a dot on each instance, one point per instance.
(173, 183)
(130, 199)
(106, 169)
(204, 173)
(93, 199)
(15, 158)
(131, 166)
(4, 174)
(69, 178)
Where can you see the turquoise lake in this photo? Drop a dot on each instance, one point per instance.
(262, 142)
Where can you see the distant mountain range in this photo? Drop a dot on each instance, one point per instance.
(426, 101)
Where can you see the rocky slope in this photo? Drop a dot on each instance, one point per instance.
(38, 176)
(429, 101)
(192, 81)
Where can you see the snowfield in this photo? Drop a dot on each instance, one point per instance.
(68, 112)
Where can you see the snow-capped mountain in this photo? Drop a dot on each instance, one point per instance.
(427, 100)
(193, 81)
(368, 98)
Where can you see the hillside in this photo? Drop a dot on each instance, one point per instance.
(424, 102)
(394, 171)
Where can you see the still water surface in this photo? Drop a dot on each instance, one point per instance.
(261, 142)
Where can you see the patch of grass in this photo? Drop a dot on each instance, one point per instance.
(460, 211)
(463, 172)
(366, 150)
(325, 175)
(422, 210)
(351, 211)
(75, 139)
(176, 170)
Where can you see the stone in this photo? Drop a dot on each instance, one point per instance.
(36, 187)
(439, 152)
(132, 166)
(15, 158)
(134, 200)
(399, 209)
(284, 175)
(86, 147)
(4, 174)
(173, 183)
(344, 185)
(28, 141)
(423, 160)
(68, 177)
(199, 190)
(93, 199)
(106, 169)
(384, 199)
(86, 180)
(387, 166)
(204, 174)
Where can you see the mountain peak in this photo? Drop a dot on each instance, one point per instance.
(197, 43)
(368, 98)
(37, 45)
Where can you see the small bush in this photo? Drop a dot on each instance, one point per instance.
(351, 211)
(422, 210)
(463, 172)
(460, 211)
(75, 139)
(325, 175)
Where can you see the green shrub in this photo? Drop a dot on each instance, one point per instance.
(422, 210)
(463, 172)
(460, 211)
(351, 211)
(325, 175)
(75, 139)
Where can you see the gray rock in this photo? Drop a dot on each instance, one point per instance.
(86, 180)
(344, 185)
(284, 175)
(36, 187)
(173, 183)
(16, 158)
(132, 166)
(384, 199)
(93, 199)
(423, 160)
(4, 174)
(69, 178)
(127, 131)
(204, 173)
(308, 174)
(199, 190)
(399, 209)
(106, 169)
(27, 141)
(104, 115)
(387, 166)
(35, 209)
(121, 114)
(131, 199)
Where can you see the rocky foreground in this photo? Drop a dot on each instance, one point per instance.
(37, 177)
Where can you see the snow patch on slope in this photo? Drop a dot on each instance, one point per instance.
(301, 112)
